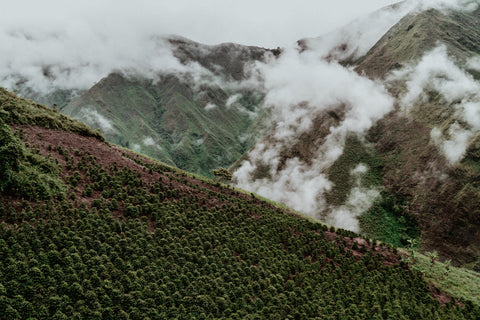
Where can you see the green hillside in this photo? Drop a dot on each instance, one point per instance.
(170, 120)
(193, 124)
(127, 237)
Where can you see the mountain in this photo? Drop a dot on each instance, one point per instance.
(194, 124)
(92, 230)
(372, 128)
(416, 34)
(440, 182)
(394, 157)
(169, 120)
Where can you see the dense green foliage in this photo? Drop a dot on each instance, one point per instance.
(24, 173)
(199, 264)
(136, 239)
(121, 248)
(21, 111)
(387, 220)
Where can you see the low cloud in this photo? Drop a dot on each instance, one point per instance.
(96, 119)
(465, 5)
(300, 87)
(355, 39)
(359, 201)
(439, 73)
(232, 99)
(148, 141)
(210, 106)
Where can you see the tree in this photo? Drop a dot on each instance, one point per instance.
(433, 257)
(10, 154)
(222, 174)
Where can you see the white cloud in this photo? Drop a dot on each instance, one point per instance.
(210, 106)
(95, 119)
(359, 201)
(357, 37)
(474, 63)
(148, 141)
(298, 88)
(467, 5)
(79, 42)
(437, 72)
(232, 99)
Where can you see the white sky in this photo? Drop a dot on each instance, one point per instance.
(267, 23)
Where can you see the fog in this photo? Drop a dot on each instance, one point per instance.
(439, 73)
(298, 87)
(57, 44)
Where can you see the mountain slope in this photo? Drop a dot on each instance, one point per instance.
(134, 238)
(443, 195)
(169, 120)
(185, 120)
(411, 171)
(418, 33)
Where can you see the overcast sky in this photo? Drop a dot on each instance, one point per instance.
(267, 23)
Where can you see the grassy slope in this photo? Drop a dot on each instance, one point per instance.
(416, 34)
(135, 238)
(21, 111)
(173, 116)
(457, 282)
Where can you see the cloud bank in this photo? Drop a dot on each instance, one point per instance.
(72, 45)
(437, 72)
(353, 40)
(300, 87)
(69, 45)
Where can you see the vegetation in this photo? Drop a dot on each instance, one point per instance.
(136, 239)
(25, 174)
(176, 125)
(222, 174)
(387, 220)
(21, 111)
(457, 282)
(340, 172)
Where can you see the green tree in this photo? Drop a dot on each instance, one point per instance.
(222, 174)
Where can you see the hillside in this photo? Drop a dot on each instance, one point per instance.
(169, 120)
(441, 186)
(418, 33)
(118, 235)
(395, 158)
(197, 121)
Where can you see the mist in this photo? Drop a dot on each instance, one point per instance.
(71, 45)
(305, 83)
(440, 73)
(300, 86)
